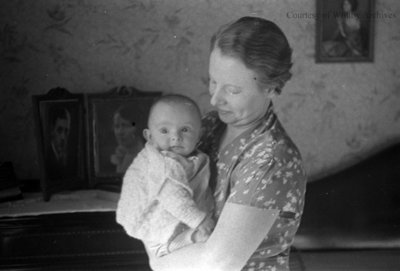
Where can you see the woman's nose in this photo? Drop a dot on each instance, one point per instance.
(217, 98)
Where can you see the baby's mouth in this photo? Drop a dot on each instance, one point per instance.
(176, 148)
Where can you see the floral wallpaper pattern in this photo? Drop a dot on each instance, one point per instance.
(336, 113)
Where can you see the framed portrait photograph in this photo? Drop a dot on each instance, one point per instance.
(345, 31)
(59, 124)
(116, 120)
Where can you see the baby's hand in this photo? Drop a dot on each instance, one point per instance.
(186, 163)
(204, 230)
(179, 158)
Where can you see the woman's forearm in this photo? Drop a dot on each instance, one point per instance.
(238, 233)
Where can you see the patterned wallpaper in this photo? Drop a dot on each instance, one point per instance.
(336, 113)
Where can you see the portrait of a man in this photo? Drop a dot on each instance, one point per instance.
(60, 134)
(60, 153)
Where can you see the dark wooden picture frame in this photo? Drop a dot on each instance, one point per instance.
(60, 134)
(115, 123)
(345, 31)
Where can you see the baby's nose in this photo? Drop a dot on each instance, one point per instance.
(176, 137)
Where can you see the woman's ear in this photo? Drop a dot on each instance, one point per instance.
(270, 92)
(147, 134)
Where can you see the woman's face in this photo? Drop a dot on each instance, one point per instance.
(346, 6)
(124, 131)
(234, 91)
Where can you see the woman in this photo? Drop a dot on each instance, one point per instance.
(257, 174)
(347, 40)
(129, 145)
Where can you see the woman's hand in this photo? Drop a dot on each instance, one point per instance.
(204, 230)
(186, 163)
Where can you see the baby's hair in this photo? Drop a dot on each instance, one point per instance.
(172, 99)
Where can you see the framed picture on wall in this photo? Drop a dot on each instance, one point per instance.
(116, 120)
(59, 123)
(345, 31)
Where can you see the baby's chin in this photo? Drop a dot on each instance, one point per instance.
(180, 150)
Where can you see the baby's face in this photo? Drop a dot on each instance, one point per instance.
(174, 127)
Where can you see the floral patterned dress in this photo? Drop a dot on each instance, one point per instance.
(261, 168)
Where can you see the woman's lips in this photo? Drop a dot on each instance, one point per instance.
(223, 112)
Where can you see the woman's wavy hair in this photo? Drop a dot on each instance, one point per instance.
(261, 45)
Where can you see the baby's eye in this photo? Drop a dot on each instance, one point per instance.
(164, 130)
(185, 129)
(232, 89)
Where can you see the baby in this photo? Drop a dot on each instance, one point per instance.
(165, 200)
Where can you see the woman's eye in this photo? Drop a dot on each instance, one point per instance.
(232, 90)
(163, 131)
(211, 86)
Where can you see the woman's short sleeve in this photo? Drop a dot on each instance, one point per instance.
(274, 181)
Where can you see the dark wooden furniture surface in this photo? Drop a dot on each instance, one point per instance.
(73, 241)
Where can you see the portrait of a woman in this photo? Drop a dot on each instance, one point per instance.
(346, 40)
(128, 142)
(345, 31)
